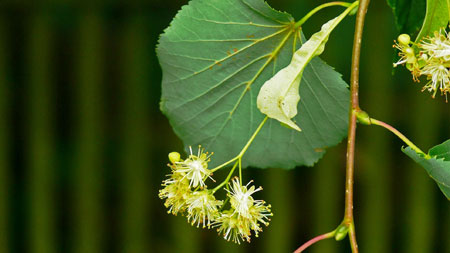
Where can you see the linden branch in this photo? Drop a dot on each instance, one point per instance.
(354, 108)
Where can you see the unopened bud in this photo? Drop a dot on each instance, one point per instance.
(174, 157)
(341, 232)
(363, 117)
(404, 39)
(409, 51)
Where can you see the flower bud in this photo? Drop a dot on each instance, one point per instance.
(404, 39)
(174, 157)
(409, 51)
(363, 117)
(341, 232)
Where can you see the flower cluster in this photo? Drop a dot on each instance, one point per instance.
(186, 193)
(430, 58)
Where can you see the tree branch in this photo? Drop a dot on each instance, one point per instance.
(354, 108)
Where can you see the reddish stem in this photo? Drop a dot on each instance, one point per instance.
(354, 108)
(314, 240)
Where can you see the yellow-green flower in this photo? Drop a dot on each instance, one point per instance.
(246, 213)
(233, 227)
(194, 168)
(437, 46)
(241, 198)
(176, 191)
(202, 208)
(438, 75)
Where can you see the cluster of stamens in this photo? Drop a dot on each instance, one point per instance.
(430, 58)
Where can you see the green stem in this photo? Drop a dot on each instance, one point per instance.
(318, 8)
(247, 145)
(226, 180)
(224, 164)
(253, 137)
(225, 203)
(238, 158)
(398, 134)
(240, 170)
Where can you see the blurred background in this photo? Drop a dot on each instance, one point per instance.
(83, 145)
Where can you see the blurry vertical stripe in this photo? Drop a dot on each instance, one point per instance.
(223, 246)
(446, 233)
(186, 237)
(375, 170)
(89, 133)
(421, 203)
(327, 194)
(40, 134)
(5, 151)
(277, 187)
(136, 134)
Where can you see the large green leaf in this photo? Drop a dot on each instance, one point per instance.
(436, 17)
(437, 164)
(409, 15)
(216, 55)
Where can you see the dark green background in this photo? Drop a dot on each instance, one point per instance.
(83, 145)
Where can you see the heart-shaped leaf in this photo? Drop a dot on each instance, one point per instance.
(216, 55)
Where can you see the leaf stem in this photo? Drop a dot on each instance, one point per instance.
(318, 8)
(398, 134)
(314, 240)
(354, 108)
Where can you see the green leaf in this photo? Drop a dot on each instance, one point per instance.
(436, 18)
(279, 96)
(216, 55)
(409, 15)
(437, 164)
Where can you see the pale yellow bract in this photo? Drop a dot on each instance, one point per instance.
(279, 96)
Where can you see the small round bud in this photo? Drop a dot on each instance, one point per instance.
(404, 39)
(174, 157)
(363, 117)
(341, 232)
(409, 51)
